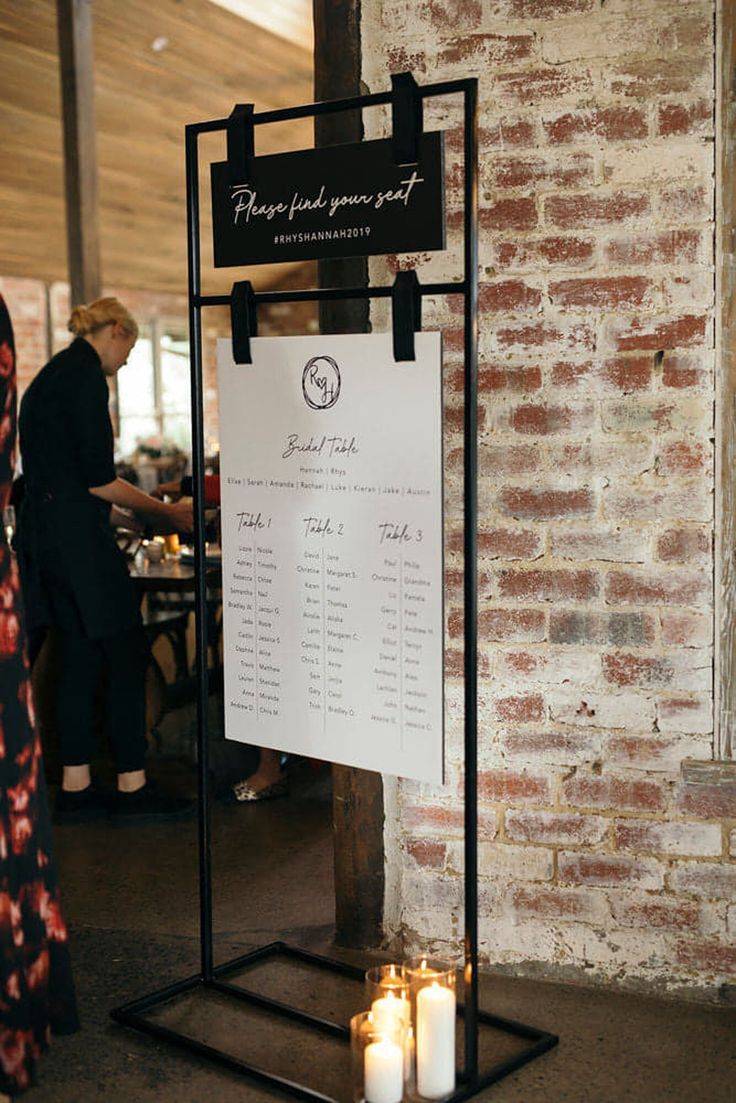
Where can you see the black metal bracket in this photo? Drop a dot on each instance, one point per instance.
(240, 142)
(406, 313)
(406, 118)
(243, 320)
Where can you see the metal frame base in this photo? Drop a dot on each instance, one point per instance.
(133, 1015)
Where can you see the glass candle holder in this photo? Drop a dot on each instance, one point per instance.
(387, 992)
(434, 1008)
(377, 1059)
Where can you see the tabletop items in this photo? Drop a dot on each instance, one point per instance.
(403, 1047)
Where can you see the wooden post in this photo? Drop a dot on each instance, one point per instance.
(357, 794)
(725, 321)
(74, 19)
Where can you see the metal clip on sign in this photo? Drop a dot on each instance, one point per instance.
(240, 142)
(406, 313)
(406, 118)
(243, 320)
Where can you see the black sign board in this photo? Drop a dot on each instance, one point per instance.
(340, 201)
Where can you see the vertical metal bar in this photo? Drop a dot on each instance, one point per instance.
(200, 592)
(470, 503)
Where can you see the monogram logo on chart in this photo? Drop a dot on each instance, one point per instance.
(321, 382)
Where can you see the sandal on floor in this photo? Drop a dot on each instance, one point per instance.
(243, 793)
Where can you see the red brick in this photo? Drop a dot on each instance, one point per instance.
(683, 545)
(499, 377)
(554, 747)
(507, 214)
(608, 292)
(511, 295)
(567, 250)
(708, 880)
(513, 625)
(504, 459)
(401, 60)
(623, 669)
(571, 212)
(453, 339)
(614, 792)
(528, 172)
(608, 869)
(549, 585)
(502, 543)
(684, 714)
(438, 818)
(512, 133)
(542, 420)
(628, 373)
(547, 9)
(503, 787)
(557, 904)
(454, 583)
(662, 914)
(682, 332)
(685, 628)
(644, 80)
(668, 838)
(427, 853)
(680, 371)
(454, 417)
(486, 48)
(612, 629)
(610, 123)
(532, 85)
(683, 457)
(708, 801)
(575, 336)
(454, 667)
(708, 956)
(523, 709)
(667, 588)
(677, 203)
(545, 503)
(670, 247)
(555, 827)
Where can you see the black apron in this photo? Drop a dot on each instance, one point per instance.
(64, 535)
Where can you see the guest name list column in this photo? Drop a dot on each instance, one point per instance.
(331, 476)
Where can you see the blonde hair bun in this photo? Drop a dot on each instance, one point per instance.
(89, 318)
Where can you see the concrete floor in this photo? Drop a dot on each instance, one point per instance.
(130, 897)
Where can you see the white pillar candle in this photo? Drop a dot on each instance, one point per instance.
(435, 1041)
(390, 1013)
(408, 1054)
(383, 1072)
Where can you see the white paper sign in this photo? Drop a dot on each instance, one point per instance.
(331, 472)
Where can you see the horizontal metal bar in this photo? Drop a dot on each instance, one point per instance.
(162, 995)
(502, 1070)
(331, 107)
(235, 1064)
(333, 294)
(510, 1025)
(251, 958)
(322, 961)
(284, 1009)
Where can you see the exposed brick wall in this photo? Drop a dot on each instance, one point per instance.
(598, 858)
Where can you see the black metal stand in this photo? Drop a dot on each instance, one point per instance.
(211, 977)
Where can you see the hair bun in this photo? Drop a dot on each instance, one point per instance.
(80, 321)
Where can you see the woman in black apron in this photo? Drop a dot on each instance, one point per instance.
(74, 575)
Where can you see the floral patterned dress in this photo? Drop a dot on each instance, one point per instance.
(36, 989)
